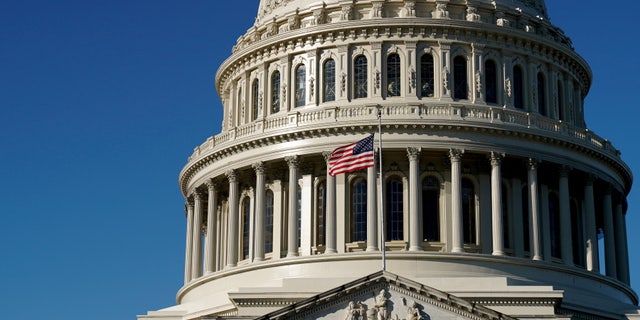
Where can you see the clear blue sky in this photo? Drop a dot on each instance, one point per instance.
(101, 103)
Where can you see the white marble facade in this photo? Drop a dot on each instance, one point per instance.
(493, 189)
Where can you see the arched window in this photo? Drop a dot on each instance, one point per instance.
(394, 210)
(359, 210)
(554, 224)
(431, 209)
(393, 75)
(246, 213)
(542, 95)
(329, 81)
(518, 88)
(321, 212)
(490, 81)
(426, 75)
(460, 84)
(561, 113)
(275, 92)
(255, 97)
(469, 211)
(301, 79)
(360, 77)
(268, 235)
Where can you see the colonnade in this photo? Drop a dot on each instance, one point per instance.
(219, 236)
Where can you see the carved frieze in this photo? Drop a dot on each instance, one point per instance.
(382, 308)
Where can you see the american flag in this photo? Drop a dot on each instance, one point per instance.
(352, 157)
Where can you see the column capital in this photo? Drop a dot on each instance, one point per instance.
(211, 184)
(608, 190)
(564, 171)
(189, 201)
(259, 167)
(413, 153)
(292, 161)
(455, 155)
(590, 179)
(232, 175)
(197, 195)
(326, 155)
(496, 158)
(532, 164)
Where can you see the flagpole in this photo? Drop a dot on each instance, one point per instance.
(381, 200)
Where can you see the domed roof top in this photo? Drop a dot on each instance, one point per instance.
(270, 9)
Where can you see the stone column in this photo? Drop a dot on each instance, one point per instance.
(534, 210)
(189, 242)
(566, 238)
(621, 244)
(415, 227)
(292, 219)
(372, 209)
(590, 226)
(210, 244)
(497, 222)
(196, 264)
(261, 211)
(457, 237)
(232, 230)
(609, 236)
(330, 221)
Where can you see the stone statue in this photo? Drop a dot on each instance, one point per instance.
(352, 312)
(381, 305)
(356, 311)
(441, 11)
(413, 313)
(472, 14)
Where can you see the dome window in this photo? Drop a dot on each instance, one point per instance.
(426, 76)
(275, 92)
(393, 75)
(329, 80)
(360, 77)
(491, 82)
(460, 78)
(301, 78)
(518, 94)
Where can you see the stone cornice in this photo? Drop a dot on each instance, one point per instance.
(405, 118)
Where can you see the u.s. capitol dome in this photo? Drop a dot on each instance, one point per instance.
(498, 202)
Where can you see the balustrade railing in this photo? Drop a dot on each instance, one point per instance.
(472, 115)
